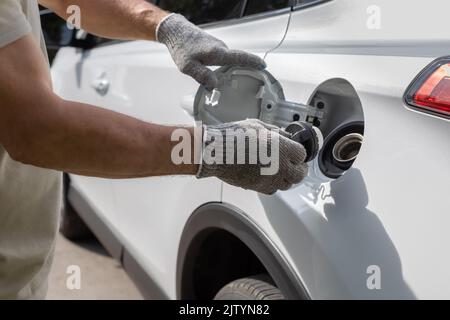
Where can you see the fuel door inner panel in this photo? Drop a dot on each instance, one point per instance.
(255, 94)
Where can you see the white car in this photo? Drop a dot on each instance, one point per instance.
(374, 227)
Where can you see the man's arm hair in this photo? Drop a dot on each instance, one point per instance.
(39, 128)
(114, 19)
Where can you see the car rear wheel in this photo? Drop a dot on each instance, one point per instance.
(72, 226)
(260, 287)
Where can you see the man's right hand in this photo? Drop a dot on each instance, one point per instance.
(288, 159)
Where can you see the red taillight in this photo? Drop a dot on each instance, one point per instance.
(430, 91)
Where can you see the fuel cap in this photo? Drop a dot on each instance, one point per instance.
(307, 135)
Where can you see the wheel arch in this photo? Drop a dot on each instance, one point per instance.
(215, 217)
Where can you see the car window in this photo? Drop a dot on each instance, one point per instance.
(205, 11)
(259, 6)
(55, 29)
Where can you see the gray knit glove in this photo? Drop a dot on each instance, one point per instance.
(292, 168)
(193, 49)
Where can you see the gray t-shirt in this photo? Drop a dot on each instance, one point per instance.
(30, 197)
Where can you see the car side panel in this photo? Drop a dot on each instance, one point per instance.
(389, 215)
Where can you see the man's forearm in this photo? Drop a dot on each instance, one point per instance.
(39, 128)
(92, 141)
(114, 19)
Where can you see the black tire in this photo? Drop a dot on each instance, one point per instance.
(72, 226)
(260, 287)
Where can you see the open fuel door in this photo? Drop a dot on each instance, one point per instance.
(250, 94)
(256, 94)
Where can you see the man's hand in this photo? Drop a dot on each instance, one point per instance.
(193, 50)
(290, 156)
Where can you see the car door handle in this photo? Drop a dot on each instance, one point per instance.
(187, 104)
(101, 85)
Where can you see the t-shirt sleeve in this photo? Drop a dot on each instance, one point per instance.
(13, 23)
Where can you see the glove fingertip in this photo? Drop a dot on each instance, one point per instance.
(207, 78)
(256, 62)
(262, 65)
(211, 82)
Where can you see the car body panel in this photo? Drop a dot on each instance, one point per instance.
(390, 211)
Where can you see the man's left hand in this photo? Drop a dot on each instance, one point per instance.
(193, 50)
